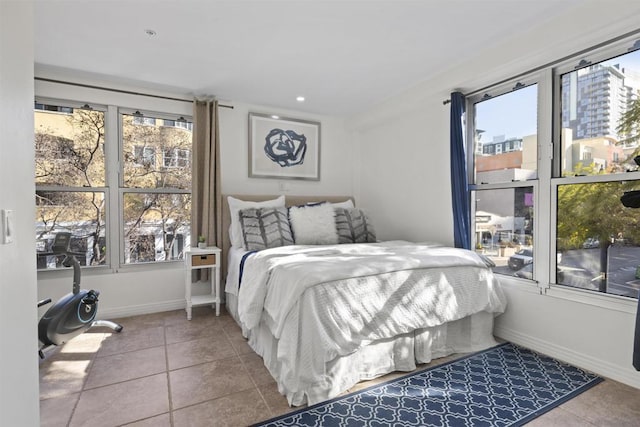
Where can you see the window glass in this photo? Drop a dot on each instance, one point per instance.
(80, 213)
(504, 229)
(599, 116)
(505, 142)
(69, 146)
(141, 145)
(599, 238)
(157, 226)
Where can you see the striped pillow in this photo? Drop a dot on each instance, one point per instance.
(354, 226)
(264, 228)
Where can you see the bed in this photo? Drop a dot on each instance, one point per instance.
(326, 316)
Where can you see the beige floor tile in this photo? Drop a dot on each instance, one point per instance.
(126, 366)
(193, 329)
(143, 321)
(57, 411)
(175, 316)
(255, 366)
(238, 409)
(122, 403)
(558, 417)
(189, 353)
(163, 420)
(609, 403)
(239, 343)
(132, 340)
(88, 342)
(62, 374)
(207, 381)
(277, 402)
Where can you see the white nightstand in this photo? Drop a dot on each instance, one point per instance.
(199, 259)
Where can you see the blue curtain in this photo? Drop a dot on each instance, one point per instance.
(459, 187)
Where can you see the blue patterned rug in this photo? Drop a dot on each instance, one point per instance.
(503, 386)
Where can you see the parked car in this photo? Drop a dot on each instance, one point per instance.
(525, 272)
(591, 242)
(520, 259)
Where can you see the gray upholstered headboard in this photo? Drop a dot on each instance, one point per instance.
(289, 200)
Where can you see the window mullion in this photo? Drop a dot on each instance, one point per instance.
(545, 248)
(112, 173)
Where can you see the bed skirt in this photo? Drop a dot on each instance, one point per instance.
(401, 353)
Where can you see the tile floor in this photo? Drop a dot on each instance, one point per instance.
(163, 370)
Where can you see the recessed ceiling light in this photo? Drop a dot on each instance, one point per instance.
(275, 117)
(300, 99)
(150, 32)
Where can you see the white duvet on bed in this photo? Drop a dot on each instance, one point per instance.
(329, 301)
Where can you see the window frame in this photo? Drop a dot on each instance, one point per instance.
(605, 52)
(122, 190)
(550, 168)
(64, 103)
(113, 179)
(540, 231)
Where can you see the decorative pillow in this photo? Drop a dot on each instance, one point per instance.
(265, 228)
(236, 205)
(354, 226)
(313, 225)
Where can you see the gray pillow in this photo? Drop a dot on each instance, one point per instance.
(264, 228)
(354, 226)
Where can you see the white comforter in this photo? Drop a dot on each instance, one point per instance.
(357, 294)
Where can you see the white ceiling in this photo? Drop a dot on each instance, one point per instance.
(343, 56)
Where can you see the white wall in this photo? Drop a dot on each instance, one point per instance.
(19, 401)
(403, 179)
(143, 289)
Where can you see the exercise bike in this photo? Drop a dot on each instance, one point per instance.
(75, 312)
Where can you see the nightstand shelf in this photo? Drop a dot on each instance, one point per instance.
(201, 259)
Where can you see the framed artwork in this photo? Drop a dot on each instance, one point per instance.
(283, 148)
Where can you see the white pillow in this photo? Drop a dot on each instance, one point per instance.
(313, 225)
(236, 205)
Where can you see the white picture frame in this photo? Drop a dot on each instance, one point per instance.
(283, 148)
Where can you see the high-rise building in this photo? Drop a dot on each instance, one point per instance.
(594, 99)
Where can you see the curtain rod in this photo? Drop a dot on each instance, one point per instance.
(556, 62)
(128, 92)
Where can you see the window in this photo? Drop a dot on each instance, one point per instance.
(156, 200)
(175, 158)
(71, 190)
(139, 119)
(559, 149)
(599, 237)
(91, 184)
(503, 172)
(144, 156)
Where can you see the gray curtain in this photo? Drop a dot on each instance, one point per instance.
(206, 202)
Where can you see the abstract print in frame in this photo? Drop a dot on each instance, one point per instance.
(283, 148)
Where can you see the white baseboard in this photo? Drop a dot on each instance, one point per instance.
(135, 310)
(624, 375)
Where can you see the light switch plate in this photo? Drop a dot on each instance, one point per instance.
(6, 219)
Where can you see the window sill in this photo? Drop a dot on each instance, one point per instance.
(581, 296)
(105, 269)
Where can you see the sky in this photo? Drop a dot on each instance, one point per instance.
(514, 114)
